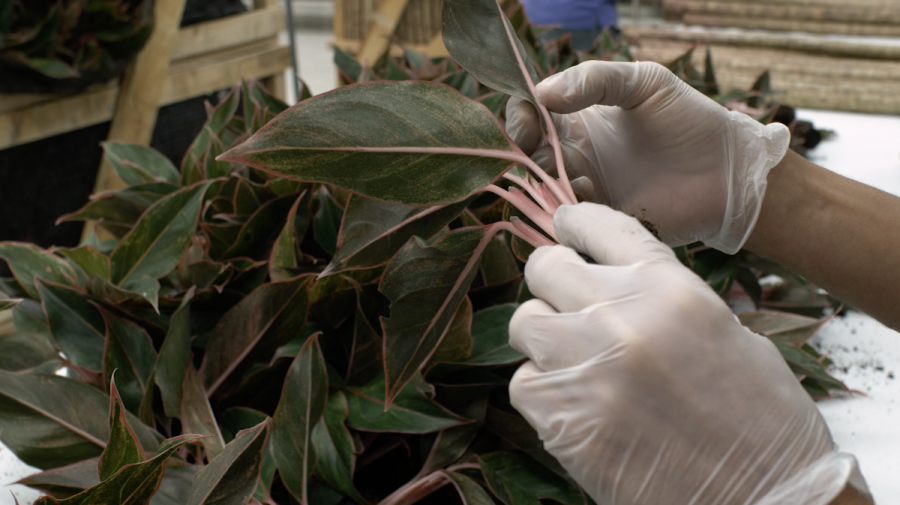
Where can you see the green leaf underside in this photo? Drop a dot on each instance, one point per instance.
(515, 429)
(123, 447)
(302, 404)
(451, 444)
(519, 480)
(156, 243)
(440, 147)
(197, 415)
(411, 411)
(267, 318)
(456, 344)
(27, 262)
(174, 359)
(132, 485)
(75, 323)
(50, 421)
(425, 286)
(802, 363)
(480, 38)
(232, 477)
(373, 231)
(334, 448)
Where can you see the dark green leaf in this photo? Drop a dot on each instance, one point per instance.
(365, 362)
(133, 484)
(156, 243)
(137, 164)
(50, 421)
(118, 210)
(425, 286)
(519, 480)
(218, 120)
(263, 321)
(140, 288)
(231, 478)
(283, 260)
(470, 491)
(174, 358)
(123, 447)
(327, 222)
(130, 351)
(516, 430)
(480, 38)
(456, 343)
(176, 484)
(28, 262)
(411, 411)
(373, 231)
(451, 444)
(346, 64)
(197, 415)
(803, 364)
(261, 227)
(498, 264)
(334, 447)
(434, 146)
(23, 350)
(75, 323)
(29, 316)
(302, 404)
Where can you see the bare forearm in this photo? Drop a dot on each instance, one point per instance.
(839, 234)
(851, 496)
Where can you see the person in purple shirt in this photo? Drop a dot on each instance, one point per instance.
(583, 19)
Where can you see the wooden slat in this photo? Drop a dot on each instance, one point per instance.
(790, 25)
(187, 79)
(232, 31)
(384, 22)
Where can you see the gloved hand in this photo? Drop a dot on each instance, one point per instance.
(645, 387)
(656, 149)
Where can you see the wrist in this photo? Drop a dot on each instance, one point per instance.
(757, 150)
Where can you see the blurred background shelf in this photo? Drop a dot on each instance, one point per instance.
(206, 57)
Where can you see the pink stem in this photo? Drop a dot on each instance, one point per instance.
(526, 206)
(550, 181)
(551, 200)
(534, 192)
(553, 139)
(529, 234)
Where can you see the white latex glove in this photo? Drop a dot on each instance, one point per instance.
(645, 387)
(656, 149)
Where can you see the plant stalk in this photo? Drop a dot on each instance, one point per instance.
(553, 139)
(532, 190)
(516, 197)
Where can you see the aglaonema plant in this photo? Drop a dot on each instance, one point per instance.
(316, 310)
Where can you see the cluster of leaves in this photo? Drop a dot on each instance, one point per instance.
(338, 336)
(66, 39)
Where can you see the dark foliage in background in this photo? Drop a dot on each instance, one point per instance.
(330, 347)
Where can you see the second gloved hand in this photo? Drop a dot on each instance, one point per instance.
(645, 387)
(656, 149)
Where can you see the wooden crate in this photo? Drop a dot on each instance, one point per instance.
(206, 57)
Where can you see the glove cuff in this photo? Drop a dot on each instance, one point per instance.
(757, 149)
(820, 483)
